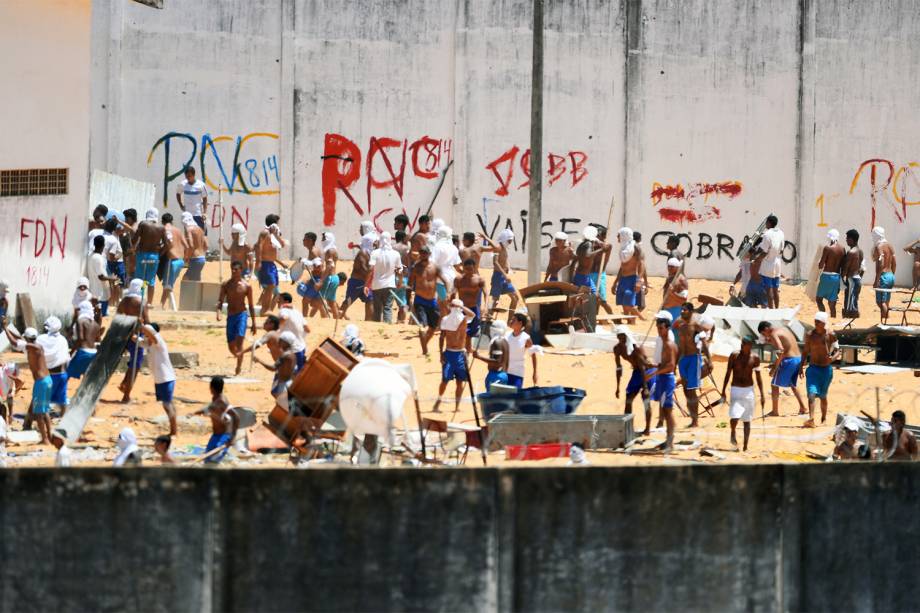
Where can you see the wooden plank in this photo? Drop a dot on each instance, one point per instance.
(25, 314)
(546, 299)
(97, 376)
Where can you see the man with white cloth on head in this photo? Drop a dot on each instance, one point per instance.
(740, 372)
(446, 257)
(642, 370)
(628, 283)
(384, 277)
(57, 355)
(452, 346)
(239, 250)
(150, 241)
(501, 275)
(885, 267)
(832, 257)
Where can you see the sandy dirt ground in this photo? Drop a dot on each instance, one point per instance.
(781, 439)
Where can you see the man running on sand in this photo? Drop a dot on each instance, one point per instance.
(423, 280)
(292, 321)
(150, 241)
(832, 257)
(176, 255)
(452, 345)
(662, 383)
(284, 367)
(41, 378)
(164, 376)
(740, 372)
(628, 282)
(642, 371)
(885, 267)
(787, 368)
(501, 275)
(560, 256)
(690, 364)
(266, 254)
(470, 288)
(131, 305)
(271, 338)
(820, 350)
(238, 294)
(360, 271)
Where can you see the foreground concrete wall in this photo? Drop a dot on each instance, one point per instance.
(697, 117)
(729, 538)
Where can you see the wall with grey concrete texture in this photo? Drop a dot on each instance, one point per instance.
(726, 538)
(695, 117)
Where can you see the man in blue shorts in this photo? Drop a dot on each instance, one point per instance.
(787, 368)
(586, 255)
(89, 332)
(663, 382)
(600, 268)
(150, 241)
(224, 422)
(642, 372)
(691, 344)
(820, 350)
(629, 277)
(832, 257)
(266, 250)
(237, 292)
(422, 279)
(452, 346)
(501, 282)
(885, 267)
(164, 377)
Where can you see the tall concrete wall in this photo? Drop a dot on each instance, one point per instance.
(729, 538)
(45, 123)
(696, 117)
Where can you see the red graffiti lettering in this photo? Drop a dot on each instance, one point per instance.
(432, 147)
(341, 169)
(875, 188)
(43, 235)
(504, 178)
(59, 237)
(660, 191)
(689, 196)
(379, 146)
(557, 167)
(503, 168)
(579, 171)
(525, 168)
(689, 215)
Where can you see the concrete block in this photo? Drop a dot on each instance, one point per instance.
(190, 296)
(210, 292)
(592, 431)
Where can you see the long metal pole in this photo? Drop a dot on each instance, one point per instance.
(535, 212)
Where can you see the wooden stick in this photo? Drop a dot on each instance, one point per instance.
(482, 442)
(418, 416)
(440, 185)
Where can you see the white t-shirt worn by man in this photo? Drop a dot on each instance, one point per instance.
(112, 247)
(385, 264)
(160, 365)
(95, 266)
(192, 195)
(292, 321)
(772, 263)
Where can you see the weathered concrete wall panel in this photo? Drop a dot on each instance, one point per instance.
(698, 117)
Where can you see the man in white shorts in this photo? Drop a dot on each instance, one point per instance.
(740, 371)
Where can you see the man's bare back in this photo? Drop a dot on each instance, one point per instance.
(784, 340)
(177, 243)
(150, 237)
(831, 258)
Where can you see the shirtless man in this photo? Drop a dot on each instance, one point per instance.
(560, 256)
(628, 282)
(740, 372)
(420, 238)
(885, 267)
(127, 230)
(239, 250)
(356, 283)
(271, 338)
(266, 257)
(176, 254)
(664, 381)
(830, 264)
(586, 256)
(400, 223)
(41, 378)
(150, 241)
(640, 299)
(599, 270)
(787, 369)
(131, 305)
(820, 350)
(424, 278)
(676, 290)
(470, 287)
(197, 247)
(672, 245)
(914, 250)
(690, 364)
(238, 294)
(88, 333)
(852, 275)
(501, 281)
(642, 371)
(402, 247)
(497, 362)
(850, 448)
(471, 250)
(900, 443)
(224, 421)
(314, 251)
(452, 345)
(284, 368)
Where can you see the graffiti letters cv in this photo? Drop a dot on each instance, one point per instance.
(250, 160)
